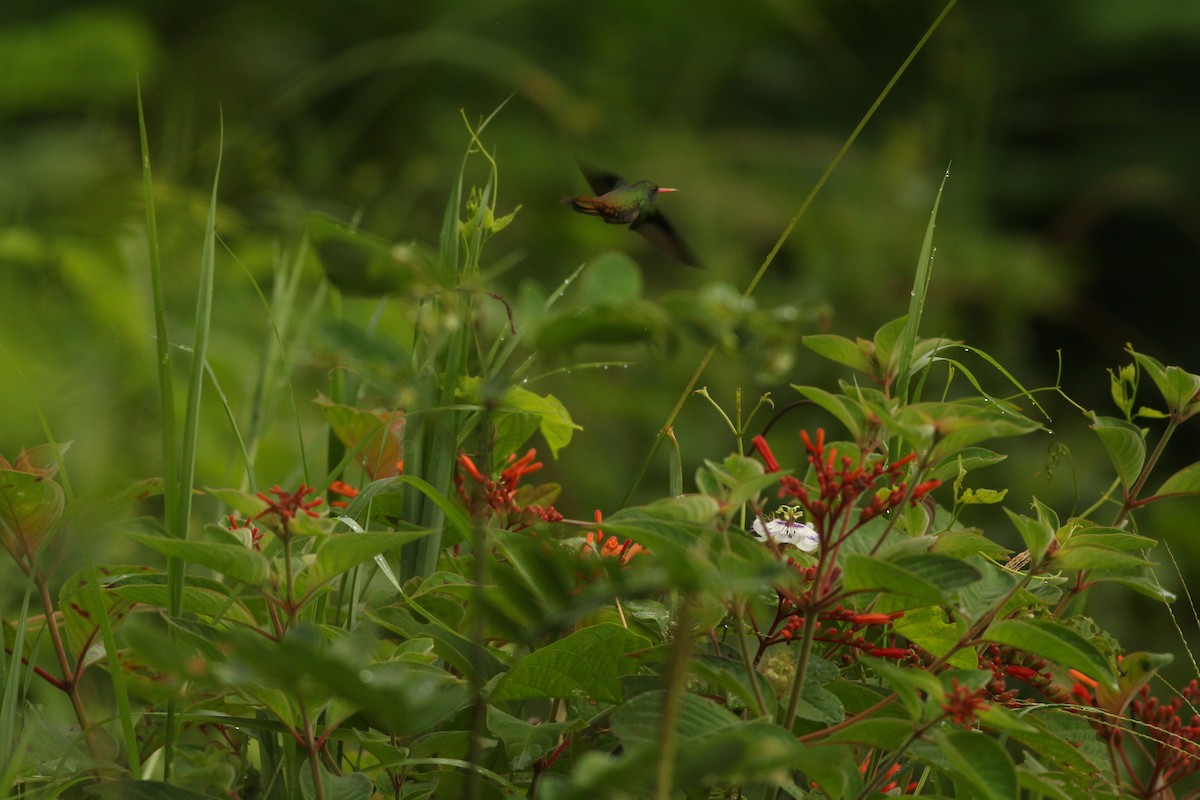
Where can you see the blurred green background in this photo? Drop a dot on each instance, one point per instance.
(1070, 221)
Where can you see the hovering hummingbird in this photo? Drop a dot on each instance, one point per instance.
(632, 204)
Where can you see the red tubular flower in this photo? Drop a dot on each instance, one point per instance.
(764, 451)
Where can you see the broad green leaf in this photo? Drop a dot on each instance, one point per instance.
(885, 733)
(964, 543)
(233, 561)
(630, 323)
(869, 572)
(586, 664)
(1178, 387)
(980, 761)
(910, 683)
(839, 349)
(343, 551)
(963, 461)
(945, 572)
(1146, 584)
(611, 278)
(639, 720)
(817, 703)
(30, 506)
(1108, 537)
(1065, 739)
(1054, 641)
(349, 786)
(203, 597)
(928, 628)
(1089, 556)
(1125, 445)
(1036, 534)
(554, 421)
(842, 409)
(373, 436)
(1185, 481)
(525, 742)
(730, 675)
(142, 790)
(885, 340)
(958, 425)
(460, 652)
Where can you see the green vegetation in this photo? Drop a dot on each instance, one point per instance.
(389, 496)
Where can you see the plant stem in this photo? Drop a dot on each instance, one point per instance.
(70, 676)
(675, 679)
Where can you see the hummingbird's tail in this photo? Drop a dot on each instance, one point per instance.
(584, 205)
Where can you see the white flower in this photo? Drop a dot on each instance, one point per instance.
(787, 529)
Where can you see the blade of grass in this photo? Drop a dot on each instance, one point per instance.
(117, 677)
(787, 232)
(166, 393)
(191, 429)
(16, 677)
(916, 303)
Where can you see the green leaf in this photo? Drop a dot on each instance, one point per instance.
(870, 572)
(1125, 445)
(841, 408)
(373, 436)
(1177, 386)
(885, 733)
(963, 461)
(201, 596)
(928, 628)
(231, 560)
(554, 421)
(142, 790)
(839, 349)
(630, 323)
(525, 742)
(460, 652)
(1088, 556)
(340, 552)
(30, 506)
(586, 664)
(611, 278)
(1054, 641)
(910, 683)
(964, 543)
(1185, 481)
(639, 720)
(885, 340)
(980, 761)
(945, 572)
(1036, 534)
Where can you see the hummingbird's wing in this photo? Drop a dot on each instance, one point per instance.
(655, 228)
(602, 182)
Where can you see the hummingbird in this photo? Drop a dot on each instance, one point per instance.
(632, 204)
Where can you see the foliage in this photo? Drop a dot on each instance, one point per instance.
(418, 620)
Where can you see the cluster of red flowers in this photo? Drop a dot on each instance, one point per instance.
(287, 505)
(840, 483)
(963, 703)
(1176, 752)
(499, 499)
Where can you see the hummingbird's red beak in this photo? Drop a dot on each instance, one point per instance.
(662, 189)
